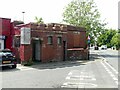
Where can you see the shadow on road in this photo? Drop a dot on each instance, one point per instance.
(112, 56)
(61, 64)
(94, 56)
(48, 65)
(7, 69)
(54, 65)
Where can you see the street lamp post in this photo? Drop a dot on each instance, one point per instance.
(23, 16)
(23, 27)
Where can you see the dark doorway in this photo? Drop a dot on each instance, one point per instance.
(36, 50)
(64, 50)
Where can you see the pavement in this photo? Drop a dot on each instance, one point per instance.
(51, 65)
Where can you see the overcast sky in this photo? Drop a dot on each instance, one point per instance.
(51, 10)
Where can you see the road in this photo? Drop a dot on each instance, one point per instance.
(80, 75)
(111, 56)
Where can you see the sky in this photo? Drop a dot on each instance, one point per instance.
(51, 10)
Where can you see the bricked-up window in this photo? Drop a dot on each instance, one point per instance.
(50, 40)
(59, 40)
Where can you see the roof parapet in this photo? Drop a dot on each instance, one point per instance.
(49, 27)
(55, 26)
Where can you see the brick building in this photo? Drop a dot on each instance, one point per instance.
(6, 33)
(50, 42)
(47, 42)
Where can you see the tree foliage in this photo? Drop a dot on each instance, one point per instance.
(116, 40)
(106, 37)
(39, 20)
(84, 13)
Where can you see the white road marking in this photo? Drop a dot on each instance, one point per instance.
(94, 79)
(70, 73)
(80, 77)
(67, 84)
(111, 74)
(68, 77)
(111, 67)
(116, 82)
(81, 72)
(115, 79)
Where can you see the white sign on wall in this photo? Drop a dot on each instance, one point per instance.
(25, 35)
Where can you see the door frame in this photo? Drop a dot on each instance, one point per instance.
(64, 50)
(33, 49)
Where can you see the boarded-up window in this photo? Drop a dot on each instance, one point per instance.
(76, 40)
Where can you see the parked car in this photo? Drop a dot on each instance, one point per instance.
(96, 48)
(103, 47)
(113, 48)
(7, 58)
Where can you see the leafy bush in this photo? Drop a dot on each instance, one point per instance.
(28, 63)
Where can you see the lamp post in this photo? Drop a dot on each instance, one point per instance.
(23, 16)
(23, 31)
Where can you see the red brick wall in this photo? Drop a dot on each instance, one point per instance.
(77, 54)
(25, 52)
(52, 52)
(6, 30)
(6, 25)
(49, 52)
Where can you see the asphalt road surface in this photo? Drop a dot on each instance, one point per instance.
(111, 56)
(78, 75)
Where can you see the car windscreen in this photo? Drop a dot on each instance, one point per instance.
(5, 53)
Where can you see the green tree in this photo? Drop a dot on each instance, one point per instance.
(116, 40)
(39, 20)
(84, 13)
(106, 37)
